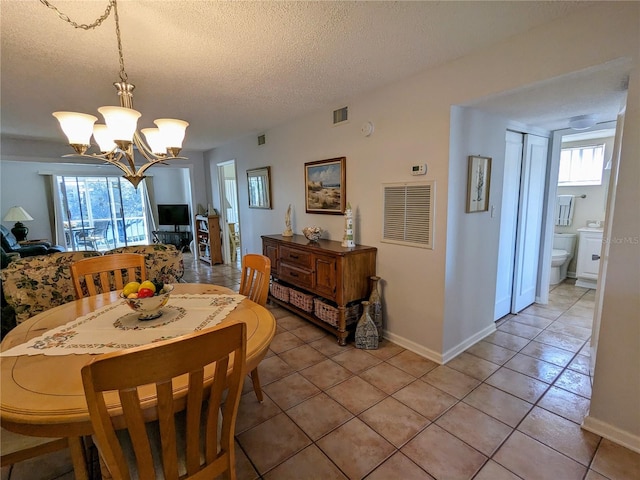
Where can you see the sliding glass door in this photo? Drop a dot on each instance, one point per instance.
(101, 213)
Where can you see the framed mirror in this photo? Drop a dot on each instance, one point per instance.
(259, 186)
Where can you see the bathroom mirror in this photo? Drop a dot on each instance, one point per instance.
(259, 186)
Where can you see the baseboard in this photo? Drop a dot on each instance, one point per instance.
(462, 346)
(414, 347)
(616, 435)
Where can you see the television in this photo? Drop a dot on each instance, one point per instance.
(175, 215)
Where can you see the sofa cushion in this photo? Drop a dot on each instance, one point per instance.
(34, 284)
(164, 262)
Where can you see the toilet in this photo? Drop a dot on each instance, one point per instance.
(564, 245)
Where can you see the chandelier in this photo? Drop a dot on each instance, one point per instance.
(118, 137)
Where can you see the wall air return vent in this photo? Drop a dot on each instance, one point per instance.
(341, 115)
(262, 139)
(408, 214)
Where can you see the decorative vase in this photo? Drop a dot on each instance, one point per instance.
(366, 331)
(375, 305)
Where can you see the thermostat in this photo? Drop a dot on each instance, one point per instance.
(419, 169)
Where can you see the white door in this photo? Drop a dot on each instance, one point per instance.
(529, 228)
(508, 223)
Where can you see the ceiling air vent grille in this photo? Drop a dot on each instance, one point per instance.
(408, 214)
(341, 115)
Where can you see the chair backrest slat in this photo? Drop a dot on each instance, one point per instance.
(254, 282)
(132, 371)
(95, 275)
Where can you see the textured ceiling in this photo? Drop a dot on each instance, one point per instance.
(233, 68)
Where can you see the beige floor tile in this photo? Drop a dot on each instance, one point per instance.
(285, 341)
(302, 357)
(309, 333)
(580, 364)
(386, 349)
(244, 469)
(356, 394)
(44, 467)
(355, 448)
(329, 346)
(319, 415)
(520, 329)
(583, 322)
(563, 300)
(291, 322)
(532, 460)
(494, 471)
(501, 405)
(356, 360)
(560, 434)
(482, 432)
(425, 399)
(532, 320)
(571, 330)
(507, 340)
(593, 475)
(394, 421)
(560, 340)
(522, 386)
(412, 363)
(251, 412)
(533, 367)
(548, 353)
(451, 381)
(326, 374)
(399, 467)
(575, 382)
(491, 352)
(442, 455)
(566, 404)
(310, 464)
(272, 442)
(473, 366)
(387, 378)
(581, 310)
(616, 462)
(273, 368)
(544, 311)
(291, 390)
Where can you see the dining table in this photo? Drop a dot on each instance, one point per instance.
(42, 394)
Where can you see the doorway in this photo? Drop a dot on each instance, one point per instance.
(229, 212)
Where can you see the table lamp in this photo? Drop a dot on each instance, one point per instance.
(18, 215)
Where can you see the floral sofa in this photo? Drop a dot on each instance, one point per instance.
(34, 284)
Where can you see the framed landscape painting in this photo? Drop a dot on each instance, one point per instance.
(325, 186)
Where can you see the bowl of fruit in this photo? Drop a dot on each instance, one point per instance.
(147, 298)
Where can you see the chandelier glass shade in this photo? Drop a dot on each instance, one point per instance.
(118, 137)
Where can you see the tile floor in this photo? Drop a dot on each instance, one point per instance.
(509, 407)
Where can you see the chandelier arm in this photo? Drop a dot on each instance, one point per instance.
(144, 149)
(83, 26)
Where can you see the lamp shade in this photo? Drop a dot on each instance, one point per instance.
(172, 131)
(121, 122)
(17, 214)
(155, 140)
(76, 126)
(103, 137)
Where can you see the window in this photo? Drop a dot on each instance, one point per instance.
(581, 166)
(101, 213)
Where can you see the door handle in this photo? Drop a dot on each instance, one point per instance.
(595, 257)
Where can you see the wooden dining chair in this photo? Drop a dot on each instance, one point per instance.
(198, 441)
(95, 275)
(16, 448)
(254, 283)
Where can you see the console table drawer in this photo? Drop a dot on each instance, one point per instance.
(299, 276)
(295, 256)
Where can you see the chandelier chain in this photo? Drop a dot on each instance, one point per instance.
(83, 26)
(96, 23)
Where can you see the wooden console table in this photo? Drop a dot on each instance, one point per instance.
(335, 274)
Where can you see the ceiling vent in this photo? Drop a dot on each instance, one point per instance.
(341, 115)
(262, 139)
(408, 214)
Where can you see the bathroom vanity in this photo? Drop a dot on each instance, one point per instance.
(588, 260)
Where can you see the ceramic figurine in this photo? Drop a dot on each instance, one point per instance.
(288, 232)
(347, 239)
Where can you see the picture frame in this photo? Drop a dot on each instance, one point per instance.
(325, 184)
(478, 184)
(259, 187)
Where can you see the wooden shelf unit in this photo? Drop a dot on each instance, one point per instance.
(325, 269)
(208, 241)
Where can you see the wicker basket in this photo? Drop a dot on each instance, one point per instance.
(301, 300)
(330, 314)
(279, 291)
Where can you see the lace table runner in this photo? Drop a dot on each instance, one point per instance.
(116, 326)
